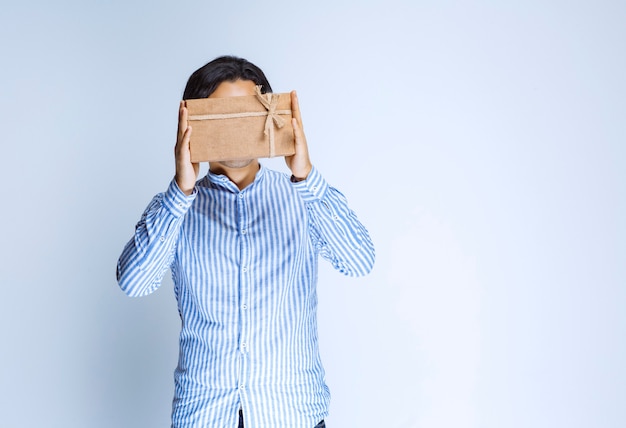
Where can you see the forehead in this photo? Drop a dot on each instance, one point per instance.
(236, 88)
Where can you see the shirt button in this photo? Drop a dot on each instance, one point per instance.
(244, 231)
(162, 238)
(241, 196)
(244, 269)
(243, 345)
(244, 306)
(242, 387)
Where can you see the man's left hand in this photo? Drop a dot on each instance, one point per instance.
(299, 163)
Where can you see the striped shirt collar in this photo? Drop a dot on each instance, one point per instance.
(222, 181)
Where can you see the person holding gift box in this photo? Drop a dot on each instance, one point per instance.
(242, 244)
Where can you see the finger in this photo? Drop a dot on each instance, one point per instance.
(297, 131)
(295, 107)
(301, 145)
(182, 120)
(182, 145)
(187, 136)
(299, 162)
(186, 139)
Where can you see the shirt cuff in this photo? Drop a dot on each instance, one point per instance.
(176, 201)
(313, 188)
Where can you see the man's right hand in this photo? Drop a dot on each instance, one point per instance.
(186, 171)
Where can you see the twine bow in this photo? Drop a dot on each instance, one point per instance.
(270, 102)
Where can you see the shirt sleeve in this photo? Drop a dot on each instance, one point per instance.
(150, 251)
(336, 232)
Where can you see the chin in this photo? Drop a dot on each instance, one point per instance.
(236, 163)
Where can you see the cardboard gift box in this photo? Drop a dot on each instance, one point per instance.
(236, 128)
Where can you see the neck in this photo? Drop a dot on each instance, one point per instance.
(242, 173)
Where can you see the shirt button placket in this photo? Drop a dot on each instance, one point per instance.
(244, 285)
(244, 315)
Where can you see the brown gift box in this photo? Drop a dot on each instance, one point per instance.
(236, 128)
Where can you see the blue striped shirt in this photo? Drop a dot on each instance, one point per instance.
(244, 265)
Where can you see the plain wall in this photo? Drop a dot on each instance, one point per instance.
(481, 142)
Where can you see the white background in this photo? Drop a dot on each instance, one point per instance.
(481, 142)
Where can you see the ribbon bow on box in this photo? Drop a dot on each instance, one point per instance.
(270, 101)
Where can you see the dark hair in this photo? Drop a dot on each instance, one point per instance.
(206, 79)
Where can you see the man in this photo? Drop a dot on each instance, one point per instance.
(242, 244)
